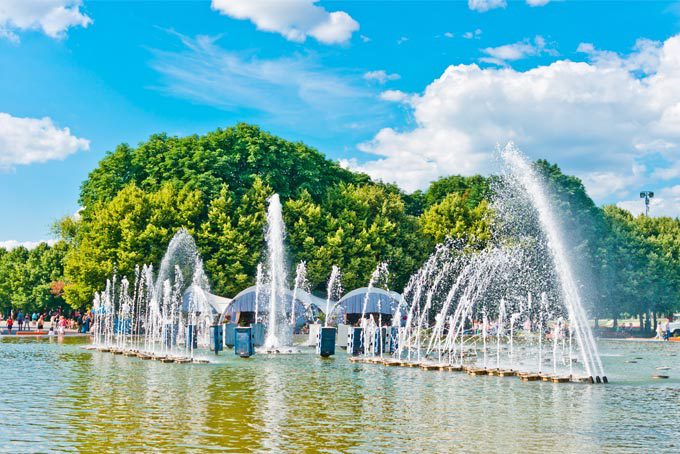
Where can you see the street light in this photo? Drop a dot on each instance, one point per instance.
(646, 195)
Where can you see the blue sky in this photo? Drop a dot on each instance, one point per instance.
(404, 90)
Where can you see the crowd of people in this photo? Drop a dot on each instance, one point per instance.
(58, 321)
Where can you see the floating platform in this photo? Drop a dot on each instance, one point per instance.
(182, 360)
(434, 366)
(391, 362)
(529, 377)
(474, 371)
(507, 373)
(662, 376)
(583, 380)
(560, 379)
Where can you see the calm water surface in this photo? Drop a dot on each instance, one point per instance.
(58, 397)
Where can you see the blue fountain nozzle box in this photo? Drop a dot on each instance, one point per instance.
(192, 339)
(379, 341)
(392, 339)
(355, 341)
(325, 341)
(229, 331)
(217, 337)
(258, 334)
(243, 341)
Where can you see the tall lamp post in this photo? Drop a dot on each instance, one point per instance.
(646, 195)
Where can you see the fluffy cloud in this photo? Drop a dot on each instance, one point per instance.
(485, 5)
(12, 244)
(510, 52)
(294, 19)
(597, 119)
(394, 96)
(28, 140)
(381, 76)
(473, 35)
(52, 17)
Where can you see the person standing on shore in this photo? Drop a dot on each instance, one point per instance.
(20, 321)
(10, 322)
(41, 322)
(62, 324)
(668, 329)
(86, 323)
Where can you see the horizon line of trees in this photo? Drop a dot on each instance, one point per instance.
(216, 186)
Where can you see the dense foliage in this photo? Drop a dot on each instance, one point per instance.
(217, 185)
(32, 280)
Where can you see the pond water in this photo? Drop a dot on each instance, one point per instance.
(57, 396)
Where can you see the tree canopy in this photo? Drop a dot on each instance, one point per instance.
(216, 187)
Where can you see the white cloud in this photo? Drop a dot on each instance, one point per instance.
(537, 2)
(381, 76)
(473, 35)
(292, 91)
(13, 244)
(402, 40)
(29, 140)
(596, 119)
(394, 96)
(52, 17)
(644, 59)
(365, 38)
(510, 52)
(485, 5)
(448, 35)
(294, 19)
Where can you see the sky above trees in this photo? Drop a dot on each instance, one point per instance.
(404, 91)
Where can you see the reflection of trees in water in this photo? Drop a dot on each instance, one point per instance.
(133, 405)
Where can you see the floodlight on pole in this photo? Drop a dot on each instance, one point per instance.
(646, 195)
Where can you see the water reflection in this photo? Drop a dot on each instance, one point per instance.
(66, 398)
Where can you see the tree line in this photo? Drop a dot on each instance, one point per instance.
(216, 186)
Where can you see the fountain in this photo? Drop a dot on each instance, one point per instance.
(279, 332)
(531, 183)
(461, 296)
(163, 318)
(512, 307)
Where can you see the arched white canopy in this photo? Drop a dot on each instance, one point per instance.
(244, 301)
(217, 304)
(379, 301)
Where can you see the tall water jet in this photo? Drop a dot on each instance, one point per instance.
(523, 172)
(300, 284)
(334, 290)
(277, 326)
